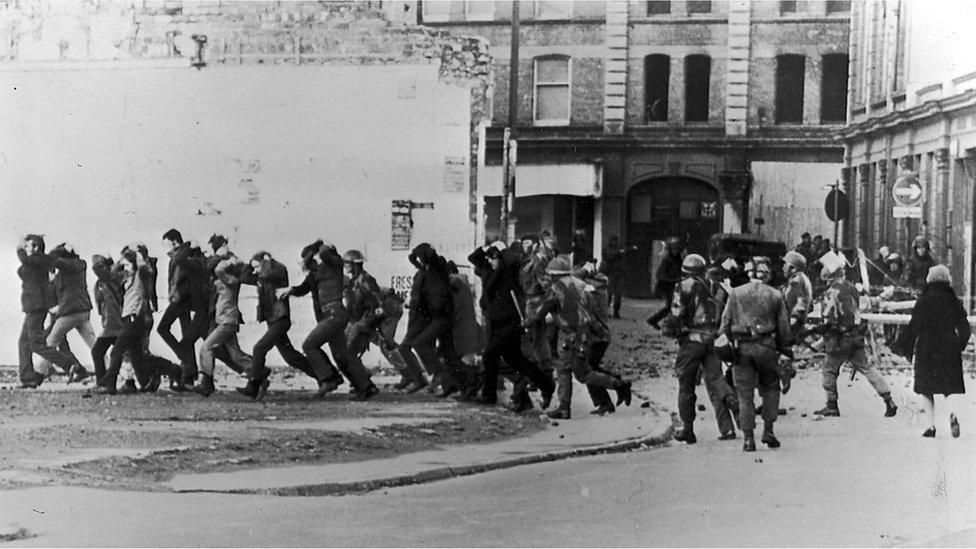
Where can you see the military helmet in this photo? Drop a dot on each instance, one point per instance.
(693, 264)
(795, 260)
(353, 256)
(559, 266)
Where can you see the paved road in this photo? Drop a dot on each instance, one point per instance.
(860, 480)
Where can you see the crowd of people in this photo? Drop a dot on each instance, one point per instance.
(546, 321)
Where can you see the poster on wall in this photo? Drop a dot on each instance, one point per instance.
(455, 174)
(401, 225)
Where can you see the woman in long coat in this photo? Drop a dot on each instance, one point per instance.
(935, 338)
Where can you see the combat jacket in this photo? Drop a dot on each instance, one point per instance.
(698, 309)
(574, 310)
(798, 294)
(362, 297)
(756, 313)
(841, 317)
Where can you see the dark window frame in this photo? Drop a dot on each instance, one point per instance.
(697, 88)
(833, 94)
(657, 86)
(699, 7)
(658, 7)
(788, 96)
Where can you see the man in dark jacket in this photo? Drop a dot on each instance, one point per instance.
(615, 267)
(499, 269)
(108, 302)
(431, 323)
(668, 276)
(73, 308)
(186, 301)
(920, 263)
(325, 282)
(269, 275)
(35, 300)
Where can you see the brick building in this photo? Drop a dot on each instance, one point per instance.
(301, 120)
(652, 119)
(913, 113)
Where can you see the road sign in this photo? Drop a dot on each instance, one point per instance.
(841, 208)
(907, 191)
(900, 212)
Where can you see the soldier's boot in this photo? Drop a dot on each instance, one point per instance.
(890, 407)
(686, 434)
(749, 445)
(830, 410)
(624, 393)
(564, 392)
(768, 438)
(205, 387)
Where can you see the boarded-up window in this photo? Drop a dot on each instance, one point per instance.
(657, 77)
(787, 6)
(789, 89)
(699, 6)
(838, 6)
(697, 78)
(833, 91)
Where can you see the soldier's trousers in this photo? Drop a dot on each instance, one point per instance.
(574, 363)
(694, 356)
(756, 369)
(859, 361)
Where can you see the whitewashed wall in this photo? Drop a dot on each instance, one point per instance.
(792, 196)
(272, 156)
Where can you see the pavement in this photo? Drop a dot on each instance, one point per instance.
(629, 428)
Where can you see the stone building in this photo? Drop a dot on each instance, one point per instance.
(274, 123)
(652, 119)
(913, 113)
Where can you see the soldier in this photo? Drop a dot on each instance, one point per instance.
(668, 276)
(268, 275)
(756, 321)
(844, 341)
(597, 286)
(798, 295)
(696, 313)
(227, 284)
(499, 270)
(535, 281)
(584, 336)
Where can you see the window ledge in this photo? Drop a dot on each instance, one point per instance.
(550, 123)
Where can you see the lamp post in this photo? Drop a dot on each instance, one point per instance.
(509, 157)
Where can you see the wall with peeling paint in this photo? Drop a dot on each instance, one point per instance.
(271, 156)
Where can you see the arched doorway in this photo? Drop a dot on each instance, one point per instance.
(662, 207)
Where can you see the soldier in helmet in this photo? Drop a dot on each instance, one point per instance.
(798, 295)
(756, 320)
(584, 336)
(844, 341)
(364, 300)
(668, 276)
(696, 313)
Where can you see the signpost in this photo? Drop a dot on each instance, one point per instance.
(907, 192)
(837, 207)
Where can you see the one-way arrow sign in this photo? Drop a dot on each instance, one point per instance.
(907, 191)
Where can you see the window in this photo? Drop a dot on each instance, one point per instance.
(479, 10)
(553, 9)
(657, 76)
(552, 77)
(833, 90)
(789, 89)
(697, 76)
(698, 6)
(838, 6)
(658, 7)
(436, 11)
(787, 6)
